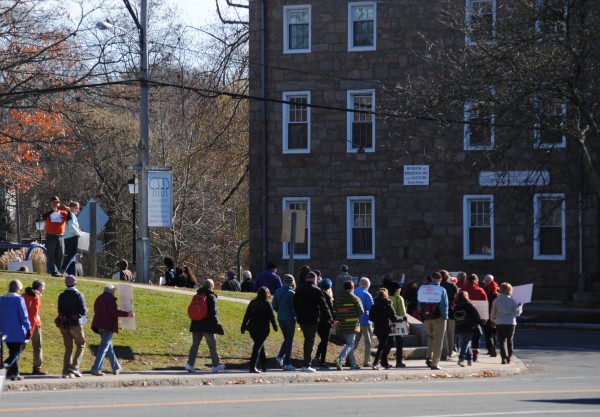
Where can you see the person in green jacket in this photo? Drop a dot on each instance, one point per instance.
(347, 309)
(400, 309)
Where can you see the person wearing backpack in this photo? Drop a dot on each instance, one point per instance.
(204, 304)
(433, 306)
(466, 318)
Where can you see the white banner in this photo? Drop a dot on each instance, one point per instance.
(483, 308)
(160, 198)
(522, 293)
(126, 304)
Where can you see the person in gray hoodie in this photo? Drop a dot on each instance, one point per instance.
(505, 311)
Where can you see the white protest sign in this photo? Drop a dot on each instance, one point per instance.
(399, 329)
(430, 293)
(126, 304)
(522, 293)
(483, 308)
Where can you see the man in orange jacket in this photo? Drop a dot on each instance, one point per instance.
(56, 219)
(33, 303)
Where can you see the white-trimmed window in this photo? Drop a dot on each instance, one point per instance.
(552, 18)
(296, 122)
(296, 29)
(478, 227)
(301, 250)
(361, 121)
(549, 228)
(362, 26)
(479, 132)
(550, 122)
(360, 232)
(481, 21)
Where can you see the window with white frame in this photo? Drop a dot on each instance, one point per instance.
(552, 18)
(360, 233)
(296, 29)
(481, 21)
(549, 230)
(301, 250)
(479, 132)
(362, 26)
(361, 121)
(296, 122)
(478, 227)
(550, 122)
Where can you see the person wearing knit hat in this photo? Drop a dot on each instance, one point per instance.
(324, 329)
(283, 304)
(72, 311)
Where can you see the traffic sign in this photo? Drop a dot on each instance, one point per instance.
(84, 217)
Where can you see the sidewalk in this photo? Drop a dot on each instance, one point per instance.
(415, 369)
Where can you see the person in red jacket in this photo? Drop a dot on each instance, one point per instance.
(33, 303)
(476, 293)
(106, 323)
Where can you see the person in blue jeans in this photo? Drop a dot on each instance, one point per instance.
(466, 318)
(106, 323)
(283, 304)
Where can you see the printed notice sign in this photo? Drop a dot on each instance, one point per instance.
(160, 198)
(416, 174)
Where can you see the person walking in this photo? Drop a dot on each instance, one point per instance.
(433, 305)
(466, 318)
(232, 284)
(14, 324)
(71, 240)
(343, 276)
(476, 293)
(310, 307)
(489, 330)
(55, 219)
(324, 328)
(366, 326)
(33, 302)
(400, 309)
(268, 278)
(347, 309)
(72, 311)
(206, 328)
(505, 311)
(382, 314)
(283, 304)
(449, 340)
(259, 314)
(106, 324)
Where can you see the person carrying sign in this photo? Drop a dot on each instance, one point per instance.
(433, 305)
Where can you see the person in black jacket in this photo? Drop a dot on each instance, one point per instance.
(382, 314)
(259, 314)
(310, 305)
(324, 328)
(71, 310)
(466, 318)
(206, 328)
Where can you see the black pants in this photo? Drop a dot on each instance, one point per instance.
(258, 350)
(12, 362)
(383, 349)
(506, 332)
(489, 331)
(69, 258)
(324, 332)
(54, 253)
(399, 342)
(310, 334)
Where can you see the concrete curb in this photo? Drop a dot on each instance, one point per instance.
(486, 368)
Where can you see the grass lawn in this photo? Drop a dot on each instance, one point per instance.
(162, 338)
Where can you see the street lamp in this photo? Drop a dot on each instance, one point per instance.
(40, 225)
(143, 240)
(133, 190)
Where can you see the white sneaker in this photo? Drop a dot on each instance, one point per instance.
(279, 362)
(461, 363)
(75, 372)
(308, 369)
(189, 368)
(218, 368)
(289, 368)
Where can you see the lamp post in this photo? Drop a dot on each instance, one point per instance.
(133, 190)
(40, 225)
(143, 240)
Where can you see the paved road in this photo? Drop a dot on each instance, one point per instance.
(564, 381)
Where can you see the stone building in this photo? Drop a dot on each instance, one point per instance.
(385, 195)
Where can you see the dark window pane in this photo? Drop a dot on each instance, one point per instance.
(362, 241)
(298, 36)
(362, 135)
(297, 136)
(363, 33)
(551, 241)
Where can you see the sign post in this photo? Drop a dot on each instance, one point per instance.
(292, 231)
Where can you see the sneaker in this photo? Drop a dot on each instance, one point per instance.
(279, 362)
(117, 371)
(189, 368)
(375, 367)
(386, 367)
(289, 368)
(437, 368)
(338, 364)
(76, 373)
(16, 378)
(401, 365)
(324, 367)
(508, 361)
(461, 363)
(68, 376)
(308, 369)
(39, 372)
(470, 363)
(218, 368)
(354, 367)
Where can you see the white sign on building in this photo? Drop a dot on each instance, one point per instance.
(416, 174)
(160, 198)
